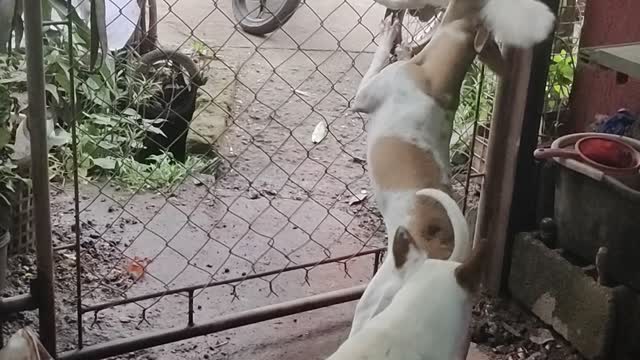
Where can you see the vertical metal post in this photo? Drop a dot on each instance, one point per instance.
(504, 137)
(514, 132)
(522, 216)
(40, 172)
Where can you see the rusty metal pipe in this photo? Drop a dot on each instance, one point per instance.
(18, 303)
(225, 322)
(40, 173)
(192, 288)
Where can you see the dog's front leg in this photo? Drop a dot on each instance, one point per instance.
(366, 97)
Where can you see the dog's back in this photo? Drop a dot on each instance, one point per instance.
(427, 319)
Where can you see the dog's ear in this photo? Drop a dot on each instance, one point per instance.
(402, 241)
(469, 274)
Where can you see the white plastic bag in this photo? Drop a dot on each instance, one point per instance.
(24, 345)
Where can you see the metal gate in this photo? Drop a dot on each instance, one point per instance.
(269, 215)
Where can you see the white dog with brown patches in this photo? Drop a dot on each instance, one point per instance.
(429, 317)
(412, 104)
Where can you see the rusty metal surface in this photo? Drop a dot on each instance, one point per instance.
(253, 316)
(40, 173)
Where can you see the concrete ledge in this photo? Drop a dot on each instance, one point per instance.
(561, 295)
(213, 109)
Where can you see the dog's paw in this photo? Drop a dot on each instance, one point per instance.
(390, 32)
(403, 52)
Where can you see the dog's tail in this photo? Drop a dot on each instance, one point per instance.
(519, 23)
(462, 243)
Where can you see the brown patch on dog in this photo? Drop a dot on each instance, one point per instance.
(469, 274)
(402, 240)
(432, 228)
(445, 60)
(397, 165)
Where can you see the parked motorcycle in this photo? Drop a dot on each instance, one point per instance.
(260, 17)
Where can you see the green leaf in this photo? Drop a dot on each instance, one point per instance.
(60, 6)
(5, 137)
(105, 163)
(16, 77)
(98, 32)
(53, 90)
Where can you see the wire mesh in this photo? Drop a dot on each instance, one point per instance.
(269, 202)
(561, 70)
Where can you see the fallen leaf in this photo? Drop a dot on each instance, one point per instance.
(357, 199)
(320, 132)
(300, 92)
(136, 267)
(105, 163)
(511, 329)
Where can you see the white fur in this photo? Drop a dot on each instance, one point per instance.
(411, 4)
(521, 23)
(428, 319)
(399, 108)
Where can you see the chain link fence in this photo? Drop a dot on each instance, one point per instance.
(562, 67)
(270, 203)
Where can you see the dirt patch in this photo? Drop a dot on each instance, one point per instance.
(507, 332)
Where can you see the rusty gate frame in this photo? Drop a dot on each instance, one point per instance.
(42, 295)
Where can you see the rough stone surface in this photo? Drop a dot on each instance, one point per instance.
(591, 214)
(561, 295)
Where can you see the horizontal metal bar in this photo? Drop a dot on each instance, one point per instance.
(187, 289)
(64, 247)
(18, 303)
(225, 322)
(55, 22)
(476, 175)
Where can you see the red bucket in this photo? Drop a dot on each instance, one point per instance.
(611, 156)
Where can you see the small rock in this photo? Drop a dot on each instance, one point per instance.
(253, 195)
(270, 192)
(358, 160)
(541, 336)
(535, 356)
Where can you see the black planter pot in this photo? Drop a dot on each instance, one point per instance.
(177, 106)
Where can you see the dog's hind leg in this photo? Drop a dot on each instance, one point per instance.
(376, 297)
(365, 98)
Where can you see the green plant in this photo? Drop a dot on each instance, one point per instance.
(560, 80)
(162, 171)
(8, 174)
(476, 99)
(98, 94)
